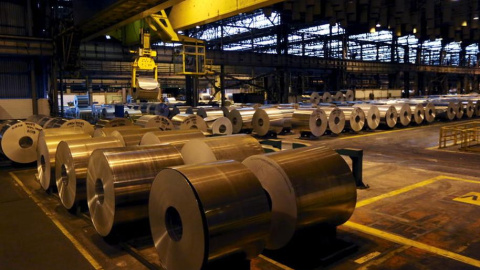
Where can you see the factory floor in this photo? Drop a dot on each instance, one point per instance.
(422, 211)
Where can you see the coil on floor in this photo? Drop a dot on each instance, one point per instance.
(349, 95)
(155, 121)
(335, 119)
(236, 147)
(267, 119)
(199, 213)
(418, 113)
(339, 96)
(115, 122)
(315, 98)
(313, 120)
(404, 114)
(430, 112)
(372, 115)
(469, 108)
(189, 121)
(219, 125)
(327, 97)
(107, 131)
(306, 186)
(241, 118)
(205, 112)
(388, 115)
(71, 164)
(119, 181)
(69, 123)
(46, 150)
(131, 137)
(354, 118)
(177, 138)
(18, 140)
(445, 111)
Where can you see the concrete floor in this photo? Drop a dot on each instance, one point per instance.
(413, 215)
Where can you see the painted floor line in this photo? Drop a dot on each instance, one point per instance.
(408, 242)
(59, 225)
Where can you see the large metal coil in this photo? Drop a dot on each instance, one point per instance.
(185, 109)
(205, 112)
(219, 125)
(268, 119)
(189, 121)
(388, 115)
(241, 118)
(39, 119)
(119, 181)
(131, 137)
(336, 119)
(372, 115)
(445, 111)
(313, 120)
(430, 112)
(108, 113)
(287, 113)
(349, 95)
(60, 131)
(155, 121)
(71, 164)
(115, 122)
(315, 98)
(418, 113)
(18, 140)
(236, 147)
(70, 123)
(468, 108)
(161, 109)
(81, 101)
(107, 131)
(176, 138)
(132, 113)
(327, 97)
(339, 96)
(200, 213)
(307, 186)
(46, 150)
(146, 89)
(150, 108)
(404, 114)
(459, 109)
(354, 118)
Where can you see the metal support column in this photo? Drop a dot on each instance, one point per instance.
(33, 87)
(189, 90)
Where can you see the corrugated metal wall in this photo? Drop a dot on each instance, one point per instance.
(14, 78)
(13, 18)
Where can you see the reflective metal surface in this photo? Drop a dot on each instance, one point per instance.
(268, 119)
(200, 213)
(146, 88)
(115, 122)
(469, 108)
(430, 112)
(418, 113)
(241, 118)
(176, 138)
(307, 186)
(313, 120)
(131, 137)
(336, 119)
(327, 97)
(119, 181)
(189, 121)
(388, 115)
(155, 121)
(354, 118)
(445, 111)
(349, 95)
(372, 115)
(205, 112)
(71, 163)
(404, 114)
(70, 123)
(339, 96)
(235, 147)
(315, 98)
(18, 140)
(107, 131)
(458, 109)
(219, 125)
(46, 150)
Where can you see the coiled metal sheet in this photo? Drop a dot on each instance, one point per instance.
(269, 119)
(161, 109)
(18, 140)
(37, 118)
(388, 115)
(459, 109)
(115, 122)
(155, 121)
(189, 121)
(327, 97)
(70, 123)
(131, 137)
(200, 213)
(119, 181)
(307, 186)
(430, 112)
(146, 88)
(107, 131)
(185, 109)
(81, 101)
(313, 120)
(108, 113)
(339, 96)
(418, 113)
(241, 118)
(132, 113)
(445, 111)
(236, 147)
(71, 164)
(349, 95)
(219, 125)
(354, 118)
(315, 98)
(46, 150)
(176, 138)
(468, 108)
(372, 115)
(404, 114)
(336, 119)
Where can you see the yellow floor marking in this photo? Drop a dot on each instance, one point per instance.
(367, 257)
(275, 263)
(458, 179)
(397, 192)
(408, 242)
(471, 198)
(59, 225)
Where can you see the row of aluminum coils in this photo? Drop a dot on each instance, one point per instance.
(206, 198)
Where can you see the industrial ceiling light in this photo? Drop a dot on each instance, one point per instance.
(464, 23)
(414, 30)
(108, 37)
(372, 30)
(378, 25)
(476, 17)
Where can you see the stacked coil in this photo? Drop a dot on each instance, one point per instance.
(189, 121)
(18, 140)
(155, 121)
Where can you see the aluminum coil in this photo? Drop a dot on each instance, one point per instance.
(115, 122)
(241, 118)
(81, 101)
(312, 120)
(327, 97)
(59, 131)
(185, 109)
(205, 112)
(161, 109)
(445, 111)
(37, 118)
(70, 123)
(306, 186)
(18, 140)
(354, 118)
(146, 89)
(339, 96)
(200, 213)
(269, 119)
(189, 121)
(315, 98)
(404, 114)
(150, 109)
(372, 115)
(349, 95)
(119, 181)
(155, 121)
(71, 164)
(418, 113)
(46, 150)
(430, 112)
(459, 109)
(236, 147)
(176, 138)
(132, 113)
(388, 115)
(108, 113)
(336, 119)
(131, 137)
(107, 131)
(469, 108)
(219, 125)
